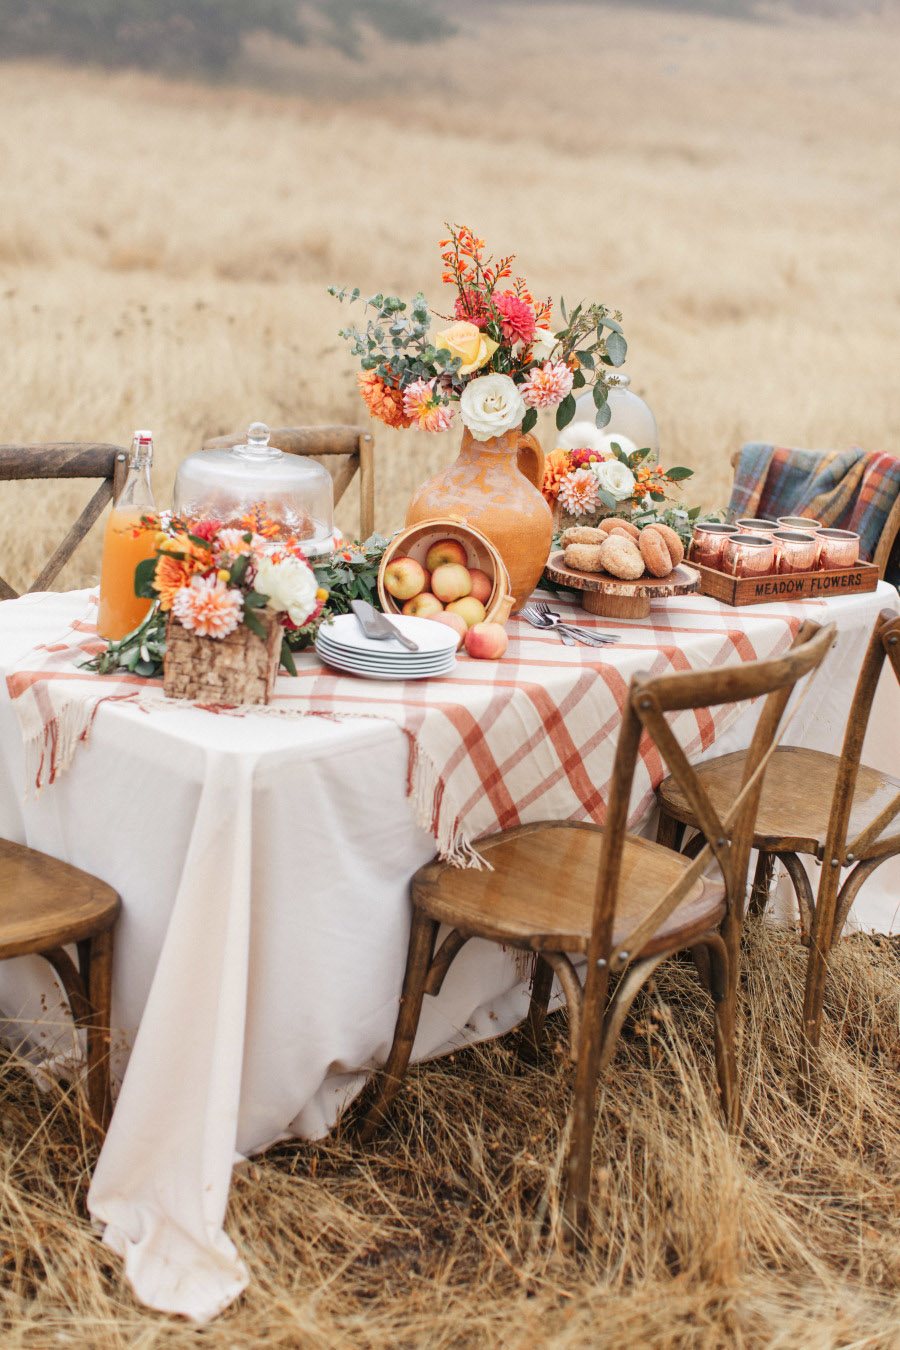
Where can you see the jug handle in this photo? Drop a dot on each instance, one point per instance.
(530, 459)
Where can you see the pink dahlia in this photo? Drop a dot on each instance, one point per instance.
(546, 385)
(472, 306)
(584, 456)
(208, 607)
(578, 493)
(517, 319)
(425, 408)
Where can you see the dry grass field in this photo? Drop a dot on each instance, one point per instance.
(164, 250)
(731, 187)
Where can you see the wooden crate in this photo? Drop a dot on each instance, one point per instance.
(855, 580)
(239, 668)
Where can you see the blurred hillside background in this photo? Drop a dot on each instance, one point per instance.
(183, 178)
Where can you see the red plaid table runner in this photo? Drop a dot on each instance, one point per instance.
(494, 744)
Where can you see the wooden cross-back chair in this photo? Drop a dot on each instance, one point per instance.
(351, 445)
(561, 889)
(830, 807)
(66, 460)
(47, 907)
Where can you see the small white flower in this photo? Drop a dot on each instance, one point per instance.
(290, 584)
(491, 405)
(614, 477)
(543, 344)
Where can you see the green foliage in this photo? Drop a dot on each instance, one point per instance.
(351, 573)
(139, 652)
(395, 342)
(203, 36)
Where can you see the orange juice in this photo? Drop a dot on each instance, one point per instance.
(125, 544)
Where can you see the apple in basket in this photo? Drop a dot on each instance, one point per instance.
(445, 551)
(454, 621)
(423, 606)
(451, 581)
(469, 609)
(481, 585)
(486, 641)
(404, 578)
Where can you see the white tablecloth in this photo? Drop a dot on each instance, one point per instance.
(264, 865)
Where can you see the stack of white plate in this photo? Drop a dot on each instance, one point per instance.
(342, 644)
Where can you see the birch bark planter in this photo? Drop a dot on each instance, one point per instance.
(240, 668)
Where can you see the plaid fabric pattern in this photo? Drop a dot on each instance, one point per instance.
(847, 489)
(494, 744)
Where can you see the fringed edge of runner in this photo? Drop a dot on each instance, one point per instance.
(52, 748)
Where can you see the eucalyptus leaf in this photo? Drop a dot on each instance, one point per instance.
(565, 412)
(600, 394)
(604, 416)
(253, 623)
(530, 419)
(678, 473)
(616, 348)
(585, 359)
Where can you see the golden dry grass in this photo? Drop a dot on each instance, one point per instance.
(163, 256)
(438, 1235)
(164, 249)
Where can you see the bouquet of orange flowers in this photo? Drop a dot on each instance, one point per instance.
(499, 359)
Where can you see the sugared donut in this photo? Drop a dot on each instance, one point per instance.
(655, 552)
(673, 543)
(621, 557)
(582, 534)
(617, 523)
(584, 557)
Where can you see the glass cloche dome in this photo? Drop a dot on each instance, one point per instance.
(632, 424)
(254, 482)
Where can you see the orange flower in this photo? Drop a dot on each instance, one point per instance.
(170, 576)
(381, 400)
(556, 465)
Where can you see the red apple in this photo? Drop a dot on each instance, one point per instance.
(404, 578)
(454, 621)
(481, 585)
(469, 609)
(486, 641)
(451, 581)
(445, 551)
(423, 606)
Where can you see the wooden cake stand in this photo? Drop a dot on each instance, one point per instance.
(617, 599)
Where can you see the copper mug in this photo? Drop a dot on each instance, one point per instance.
(837, 548)
(749, 555)
(752, 525)
(799, 523)
(708, 543)
(795, 550)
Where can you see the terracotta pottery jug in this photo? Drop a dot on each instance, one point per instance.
(495, 486)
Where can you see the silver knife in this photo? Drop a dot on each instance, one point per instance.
(377, 625)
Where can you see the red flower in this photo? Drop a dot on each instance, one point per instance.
(517, 319)
(582, 457)
(206, 529)
(472, 306)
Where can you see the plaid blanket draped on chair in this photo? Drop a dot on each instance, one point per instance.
(847, 489)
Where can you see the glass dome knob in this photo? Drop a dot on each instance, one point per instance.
(257, 444)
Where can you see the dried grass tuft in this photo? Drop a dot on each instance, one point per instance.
(441, 1234)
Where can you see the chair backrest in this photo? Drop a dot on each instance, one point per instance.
(65, 461)
(729, 840)
(884, 644)
(352, 445)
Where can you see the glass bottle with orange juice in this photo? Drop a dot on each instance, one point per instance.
(126, 543)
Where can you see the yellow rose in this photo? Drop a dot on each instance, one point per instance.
(467, 341)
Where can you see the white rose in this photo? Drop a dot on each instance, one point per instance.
(543, 344)
(614, 477)
(290, 585)
(490, 405)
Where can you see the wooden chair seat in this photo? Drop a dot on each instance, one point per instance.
(797, 797)
(540, 893)
(46, 903)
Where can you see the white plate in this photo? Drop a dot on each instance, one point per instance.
(403, 661)
(344, 631)
(369, 672)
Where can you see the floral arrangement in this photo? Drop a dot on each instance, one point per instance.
(586, 483)
(498, 361)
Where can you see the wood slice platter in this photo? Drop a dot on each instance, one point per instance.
(615, 598)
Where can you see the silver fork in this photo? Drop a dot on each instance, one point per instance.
(550, 615)
(540, 615)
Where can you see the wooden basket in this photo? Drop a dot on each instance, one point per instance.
(855, 580)
(239, 668)
(416, 540)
